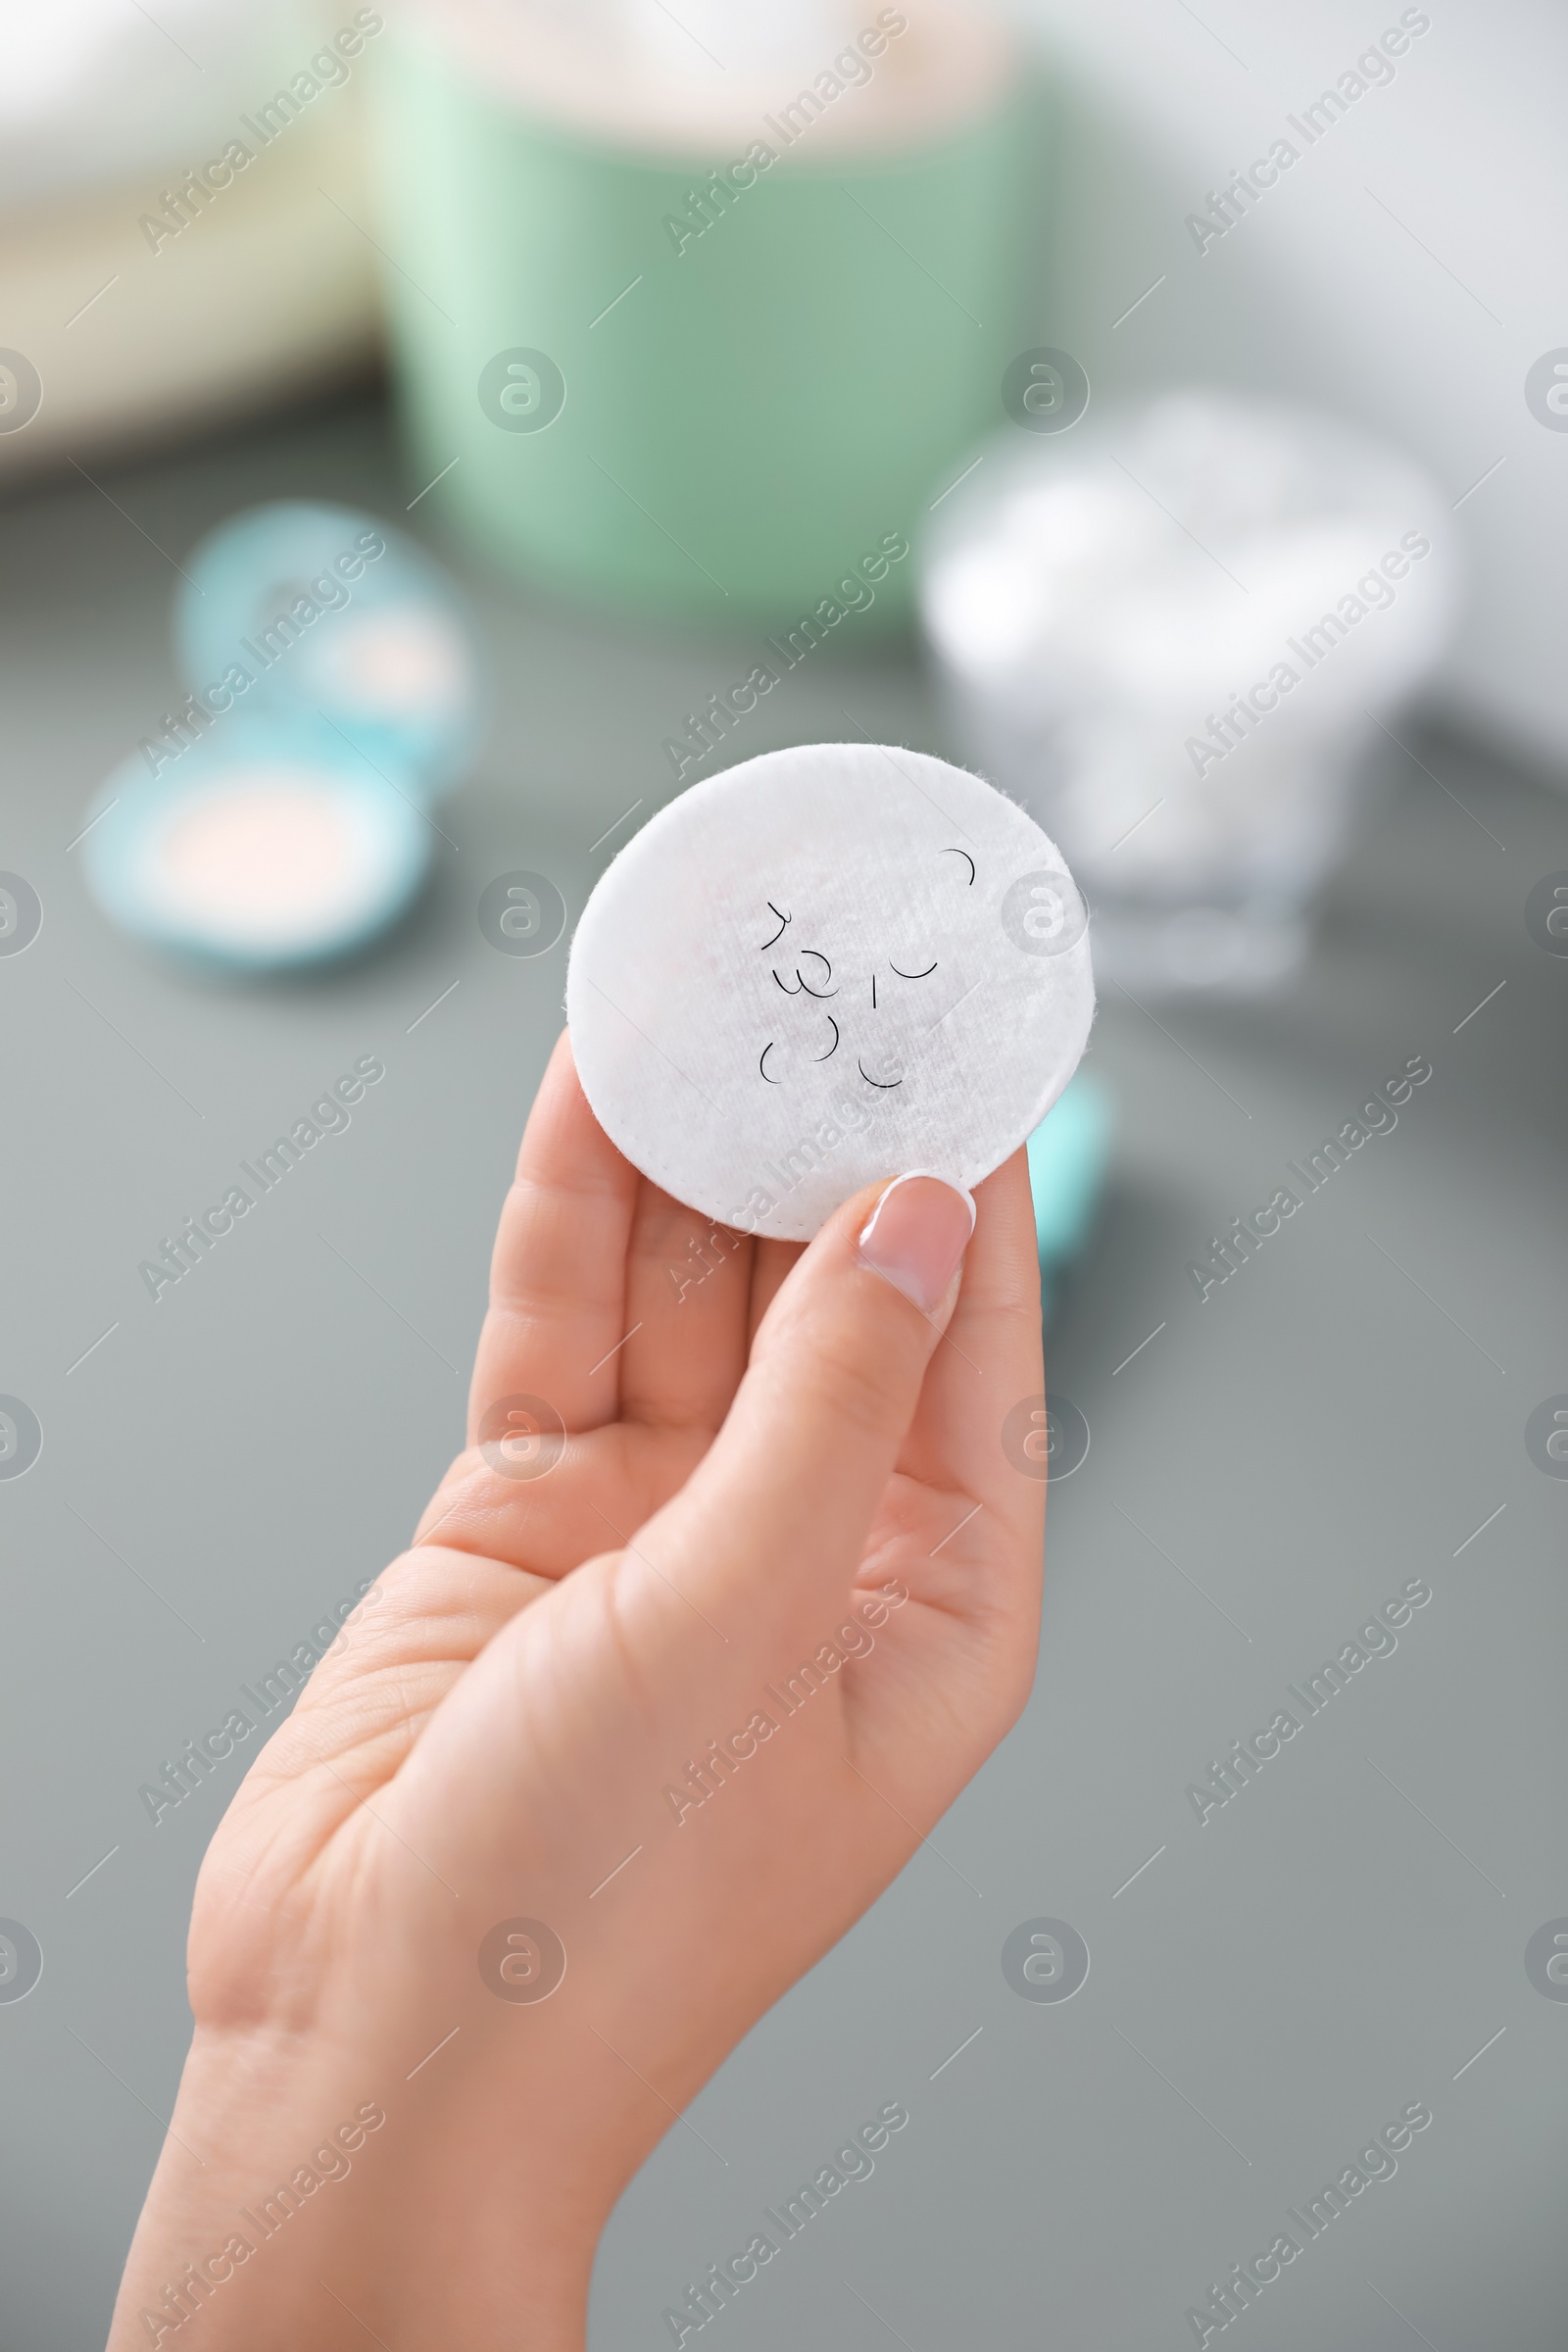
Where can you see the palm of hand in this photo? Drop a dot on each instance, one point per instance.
(512, 1729)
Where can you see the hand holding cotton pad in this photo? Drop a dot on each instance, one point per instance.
(826, 965)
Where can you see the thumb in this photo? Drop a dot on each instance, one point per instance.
(779, 1508)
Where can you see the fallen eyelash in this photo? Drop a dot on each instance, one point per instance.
(802, 986)
(834, 1046)
(883, 1086)
(925, 976)
(969, 885)
(766, 1051)
(784, 923)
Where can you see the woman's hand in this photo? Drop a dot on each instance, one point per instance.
(730, 1596)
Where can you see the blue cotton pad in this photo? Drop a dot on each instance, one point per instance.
(324, 611)
(262, 847)
(1068, 1154)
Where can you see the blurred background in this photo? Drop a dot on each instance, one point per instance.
(429, 440)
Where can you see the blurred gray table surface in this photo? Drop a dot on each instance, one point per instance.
(1269, 1465)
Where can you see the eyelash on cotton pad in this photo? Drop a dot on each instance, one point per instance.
(708, 1070)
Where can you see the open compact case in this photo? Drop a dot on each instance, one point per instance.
(282, 818)
(266, 848)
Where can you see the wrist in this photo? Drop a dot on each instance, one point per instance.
(297, 2185)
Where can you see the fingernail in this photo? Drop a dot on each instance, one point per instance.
(916, 1236)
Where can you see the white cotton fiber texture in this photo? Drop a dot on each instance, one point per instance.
(827, 965)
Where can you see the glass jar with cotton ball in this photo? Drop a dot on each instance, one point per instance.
(1173, 633)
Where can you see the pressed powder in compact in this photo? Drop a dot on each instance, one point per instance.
(262, 850)
(409, 664)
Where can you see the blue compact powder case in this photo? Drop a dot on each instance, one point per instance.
(324, 613)
(264, 845)
(334, 693)
(1069, 1153)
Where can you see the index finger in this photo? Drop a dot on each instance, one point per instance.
(558, 1275)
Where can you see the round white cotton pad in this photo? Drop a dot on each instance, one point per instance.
(826, 965)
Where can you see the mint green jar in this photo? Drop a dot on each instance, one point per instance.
(684, 353)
